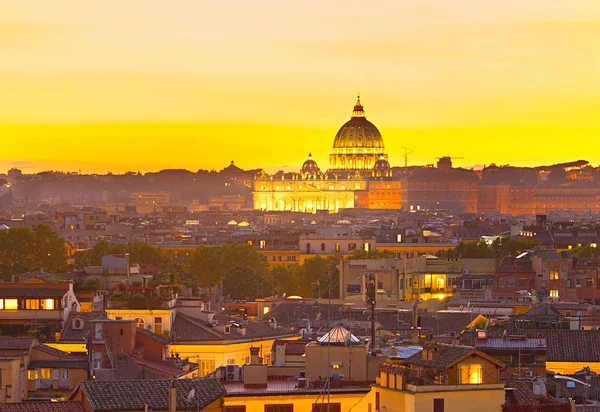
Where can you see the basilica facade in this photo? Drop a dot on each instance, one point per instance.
(357, 160)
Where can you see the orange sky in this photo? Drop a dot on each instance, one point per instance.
(144, 85)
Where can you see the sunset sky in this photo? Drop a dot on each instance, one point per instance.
(145, 85)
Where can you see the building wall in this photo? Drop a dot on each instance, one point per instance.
(477, 397)
(12, 375)
(354, 362)
(384, 194)
(438, 193)
(301, 402)
(148, 316)
(225, 353)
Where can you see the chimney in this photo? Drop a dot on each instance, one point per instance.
(254, 358)
(172, 398)
(273, 323)
(431, 351)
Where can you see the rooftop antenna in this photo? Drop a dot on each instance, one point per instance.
(407, 151)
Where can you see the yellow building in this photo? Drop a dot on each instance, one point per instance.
(440, 378)
(215, 340)
(309, 194)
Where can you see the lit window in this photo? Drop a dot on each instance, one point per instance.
(554, 293)
(471, 374)
(46, 373)
(11, 304)
(139, 322)
(554, 275)
(262, 243)
(1, 304)
(32, 304)
(33, 374)
(47, 304)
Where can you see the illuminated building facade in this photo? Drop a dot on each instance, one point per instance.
(356, 160)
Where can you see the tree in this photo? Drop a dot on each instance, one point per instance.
(26, 249)
(586, 251)
(372, 254)
(509, 246)
(48, 249)
(93, 283)
(210, 264)
(312, 278)
(282, 280)
(205, 264)
(243, 282)
(93, 256)
(469, 250)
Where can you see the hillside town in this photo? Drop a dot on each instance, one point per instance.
(363, 287)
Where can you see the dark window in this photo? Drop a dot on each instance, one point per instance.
(322, 247)
(379, 285)
(438, 405)
(239, 408)
(308, 248)
(351, 288)
(121, 331)
(279, 408)
(569, 283)
(377, 401)
(324, 407)
(589, 282)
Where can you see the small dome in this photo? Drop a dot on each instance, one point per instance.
(310, 167)
(382, 164)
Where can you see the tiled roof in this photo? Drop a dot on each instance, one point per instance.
(28, 292)
(292, 347)
(573, 346)
(295, 348)
(439, 323)
(52, 351)
(571, 306)
(68, 406)
(447, 355)
(511, 343)
(69, 334)
(134, 394)
(12, 343)
(153, 336)
(190, 329)
(520, 393)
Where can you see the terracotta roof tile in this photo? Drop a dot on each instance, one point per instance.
(447, 355)
(69, 406)
(14, 343)
(134, 394)
(27, 292)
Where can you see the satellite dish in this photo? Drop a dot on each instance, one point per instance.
(191, 395)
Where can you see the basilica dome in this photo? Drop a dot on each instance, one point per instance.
(310, 167)
(358, 144)
(358, 132)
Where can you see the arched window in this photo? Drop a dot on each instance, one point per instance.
(322, 247)
(139, 322)
(308, 248)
